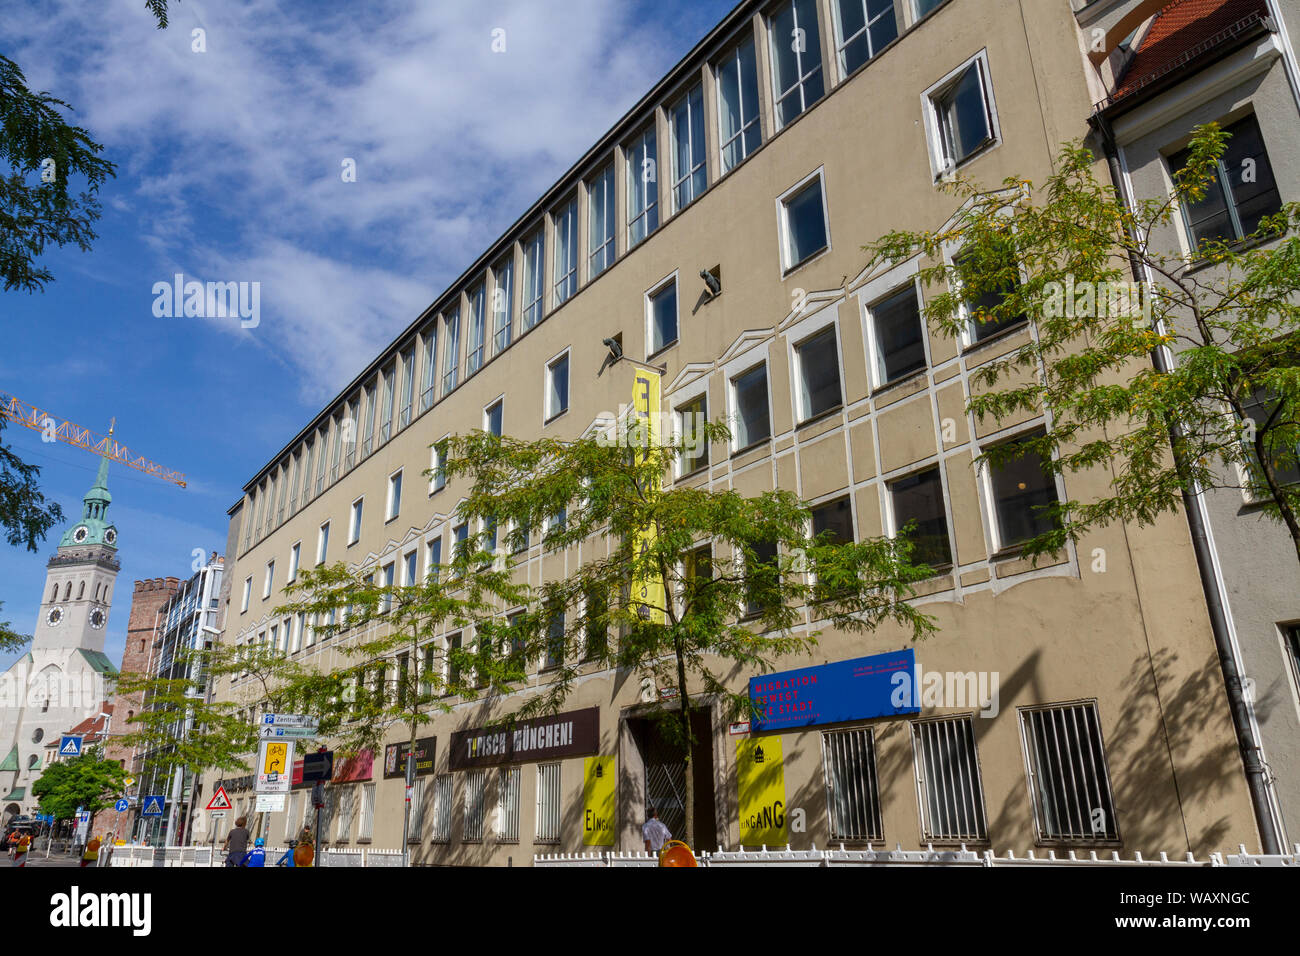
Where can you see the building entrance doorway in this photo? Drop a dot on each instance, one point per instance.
(664, 776)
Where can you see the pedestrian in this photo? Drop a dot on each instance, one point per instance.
(20, 850)
(654, 832)
(236, 843)
(256, 856)
(91, 853)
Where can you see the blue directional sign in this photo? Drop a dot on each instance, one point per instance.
(121, 805)
(70, 746)
(153, 806)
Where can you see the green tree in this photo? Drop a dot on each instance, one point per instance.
(653, 604)
(25, 515)
(88, 782)
(1104, 300)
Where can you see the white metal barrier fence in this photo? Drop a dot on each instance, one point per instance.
(846, 856)
(144, 855)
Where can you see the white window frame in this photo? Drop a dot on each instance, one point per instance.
(437, 480)
(1099, 763)
(546, 815)
(883, 287)
(408, 579)
(966, 777)
(742, 364)
(270, 579)
(941, 165)
(801, 83)
(890, 517)
(394, 505)
(676, 402)
(678, 176)
(549, 414)
(366, 826)
(499, 400)
(796, 337)
(476, 334)
(635, 159)
(604, 233)
(660, 286)
(429, 544)
(841, 42)
(558, 214)
(295, 556)
(984, 480)
(355, 515)
(733, 55)
(322, 543)
(789, 267)
(475, 806)
(443, 797)
(508, 804)
(248, 593)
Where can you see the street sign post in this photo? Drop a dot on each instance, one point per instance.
(288, 720)
(274, 766)
(268, 732)
(220, 800)
(70, 745)
(121, 805)
(152, 806)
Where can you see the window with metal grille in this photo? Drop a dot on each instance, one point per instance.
(1068, 779)
(475, 790)
(415, 829)
(441, 809)
(508, 805)
(367, 827)
(852, 798)
(548, 803)
(347, 809)
(948, 783)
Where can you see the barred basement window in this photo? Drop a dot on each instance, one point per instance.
(475, 788)
(441, 809)
(852, 798)
(1068, 779)
(548, 803)
(508, 805)
(948, 783)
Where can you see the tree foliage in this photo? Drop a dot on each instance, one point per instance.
(88, 782)
(37, 205)
(1065, 256)
(25, 514)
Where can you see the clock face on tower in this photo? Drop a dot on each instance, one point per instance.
(55, 617)
(97, 617)
(110, 536)
(80, 534)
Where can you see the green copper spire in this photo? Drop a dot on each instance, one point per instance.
(94, 527)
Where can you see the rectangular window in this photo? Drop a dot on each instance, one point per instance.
(367, 826)
(739, 131)
(441, 809)
(387, 582)
(948, 780)
(1022, 494)
(475, 789)
(819, 374)
(753, 422)
(662, 307)
(386, 410)
(1259, 407)
(863, 28)
(534, 283)
(797, 77)
(642, 187)
(437, 463)
(1068, 778)
(963, 115)
(322, 445)
(1241, 191)
(394, 495)
(600, 222)
(427, 365)
(597, 624)
(334, 455)
(852, 797)
(503, 302)
(433, 558)
(351, 415)
(925, 6)
(354, 527)
(295, 480)
(461, 535)
(508, 805)
(270, 577)
(477, 330)
(987, 313)
(690, 419)
(686, 123)
(548, 803)
(248, 592)
(557, 387)
(428, 672)
(919, 498)
(415, 831)
(898, 332)
(294, 554)
(450, 350)
(835, 520)
(411, 569)
(368, 429)
(283, 481)
(408, 386)
(803, 223)
(492, 418)
(566, 251)
(323, 543)
(762, 577)
(347, 811)
(555, 639)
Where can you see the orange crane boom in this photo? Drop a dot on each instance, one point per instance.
(54, 428)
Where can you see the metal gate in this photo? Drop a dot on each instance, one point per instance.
(665, 784)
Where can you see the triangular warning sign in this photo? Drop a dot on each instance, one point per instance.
(219, 800)
(72, 747)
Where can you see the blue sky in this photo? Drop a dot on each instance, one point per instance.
(229, 166)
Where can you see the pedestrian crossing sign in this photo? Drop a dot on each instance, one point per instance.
(153, 806)
(70, 746)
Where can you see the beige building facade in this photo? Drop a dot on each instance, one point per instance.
(1077, 704)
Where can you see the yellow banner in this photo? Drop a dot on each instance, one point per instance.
(646, 589)
(760, 778)
(598, 801)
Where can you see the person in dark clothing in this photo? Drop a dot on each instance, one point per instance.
(236, 844)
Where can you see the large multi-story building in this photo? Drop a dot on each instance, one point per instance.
(1079, 703)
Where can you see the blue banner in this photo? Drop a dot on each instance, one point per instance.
(857, 689)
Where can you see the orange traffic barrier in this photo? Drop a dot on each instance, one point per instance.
(676, 853)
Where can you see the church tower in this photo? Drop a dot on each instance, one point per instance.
(79, 578)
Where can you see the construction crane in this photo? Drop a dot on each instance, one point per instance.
(54, 428)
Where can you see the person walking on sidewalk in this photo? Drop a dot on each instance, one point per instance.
(236, 843)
